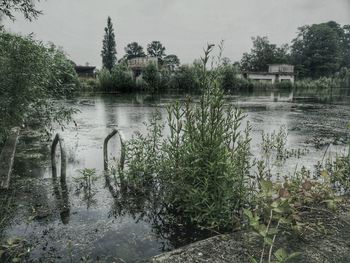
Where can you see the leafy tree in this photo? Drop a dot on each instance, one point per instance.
(31, 76)
(156, 49)
(346, 46)
(186, 78)
(171, 62)
(26, 7)
(151, 77)
(225, 61)
(318, 50)
(262, 54)
(228, 76)
(134, 50)
(122, 78)
(109, 52)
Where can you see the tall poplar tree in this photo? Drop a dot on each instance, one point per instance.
(109, 52)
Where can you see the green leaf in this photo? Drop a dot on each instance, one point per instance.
(293, 255)
(268, 241)
(266, 186)
(252, 259)
(273, 231)
(281, 254)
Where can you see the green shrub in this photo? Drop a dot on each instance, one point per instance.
(186, 78)
(200, 171)
(105, 80)
(151, 78)
(229, 77)
(89, 84)
(122, 78)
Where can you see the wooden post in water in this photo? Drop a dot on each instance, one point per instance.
(7, 157)
(56, 140)
(105, 149)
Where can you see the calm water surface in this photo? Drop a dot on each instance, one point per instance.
(98, 226)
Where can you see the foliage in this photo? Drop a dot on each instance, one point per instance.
(89, 84)
(338, 172)
(26, 7)
(105, 80)
(31, 77)
(324, 88)
(282, 208)
(14, 250)
(151, 78)
(201, 167)
(109, 52)
(156, 49)
(85, 185)
(186, 78)
(320, 50)
(122, 78)
(262, 54)
(229, 77)
(171, 62)
(134, 50)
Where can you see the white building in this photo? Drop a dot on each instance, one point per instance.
(139, 63)
(277, 73)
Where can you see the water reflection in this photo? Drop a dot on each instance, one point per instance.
(60, 190)
(146, 205)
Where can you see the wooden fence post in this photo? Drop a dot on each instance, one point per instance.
(58, 139)
(105, 149)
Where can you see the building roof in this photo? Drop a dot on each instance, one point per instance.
(84, 68)
(269, 73)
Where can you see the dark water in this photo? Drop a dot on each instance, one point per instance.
(96, 224)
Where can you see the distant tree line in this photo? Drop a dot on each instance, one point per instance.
(319, 50)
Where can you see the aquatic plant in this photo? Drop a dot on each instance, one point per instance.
(84, 184)
(200, 170)
(14, 250)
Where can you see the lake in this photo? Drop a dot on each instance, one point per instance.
(96, 224)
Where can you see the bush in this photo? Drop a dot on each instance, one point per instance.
(185, 78)
(122, 78)
(89, 84)
(105, 80)
(200, 170)
(229, 77)
(151, 78)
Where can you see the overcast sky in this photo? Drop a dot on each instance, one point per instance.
(183, 26)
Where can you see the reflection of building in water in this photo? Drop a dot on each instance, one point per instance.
(139, 63)
(277, 73)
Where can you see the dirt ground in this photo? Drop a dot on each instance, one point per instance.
(330, 243)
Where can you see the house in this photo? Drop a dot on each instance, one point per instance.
(139, 63)
(277, 73)
(86, 71)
